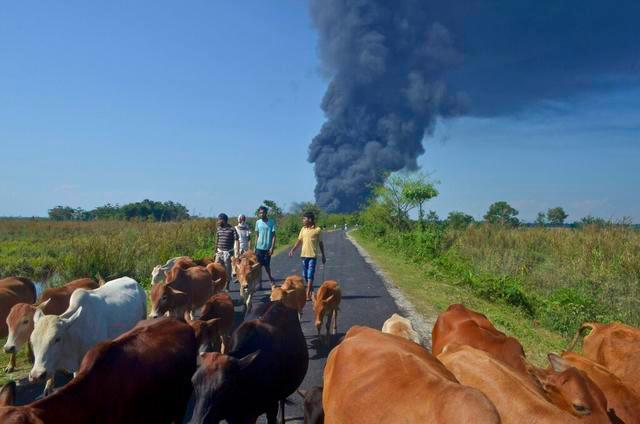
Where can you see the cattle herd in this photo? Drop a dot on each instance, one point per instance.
(128, 369)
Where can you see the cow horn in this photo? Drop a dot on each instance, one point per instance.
(101, 281)
(187, 317)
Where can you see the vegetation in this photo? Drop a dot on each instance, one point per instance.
(557, 277)
(556, 216)
(147, 210)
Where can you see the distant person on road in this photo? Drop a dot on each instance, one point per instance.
(266, 240)
(311, 239)
(226, 238)
(244, 236)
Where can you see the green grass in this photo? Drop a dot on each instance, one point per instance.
(431, 295)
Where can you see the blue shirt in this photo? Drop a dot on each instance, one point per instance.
(265, 231)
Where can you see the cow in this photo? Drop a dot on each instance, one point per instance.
(214, 326)
(159, 272)
(249, 275)
(400, 326)
(312, 399)
(60, 341)
(267, 361)
(291, 293)
(620, 397)
(464, 326)
(566, 396)
(615, 346)
(14, 290)
(184, 290)
(219, 276)
(53, 301)
(326, 301)
(373, 377)
(143, 376)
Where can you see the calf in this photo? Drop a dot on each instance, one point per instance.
(615, 346)
(567, 396)
(620, 397)
(267, 362)
(14, 290)
(313, 412)
(326, 301)
(60, 341)
(249, 275)
(459, 325)
(292, 293)
(400, 326)
(218, 276)
(372, 377)
(53, 301)
(142, 376)
(185, 289)
(218, 314)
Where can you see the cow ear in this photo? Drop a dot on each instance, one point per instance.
(558, 363)
(248, 360)
(325, 301)
(538, 375)
(73, 318)
(187, 317)
(8, 394)
(37, 315)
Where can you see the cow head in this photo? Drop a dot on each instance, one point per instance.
(319, 306)
(569, 388)
(243, 268)
(207, 333)
(278, 293)
(215, 385)
(164, 299)
(48, 338)
(157, 275)
(20, 324)
(313, 411)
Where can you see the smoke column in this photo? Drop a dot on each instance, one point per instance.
(387, 62)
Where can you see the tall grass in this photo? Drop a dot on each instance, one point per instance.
(558, 276)
(60, 251)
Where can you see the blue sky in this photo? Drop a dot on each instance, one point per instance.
(214, 105)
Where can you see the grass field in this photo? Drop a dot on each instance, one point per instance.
(431, 295)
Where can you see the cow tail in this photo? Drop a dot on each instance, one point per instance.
(584, 326)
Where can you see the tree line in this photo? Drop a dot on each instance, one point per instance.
(146, 210)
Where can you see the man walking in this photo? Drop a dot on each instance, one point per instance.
(311, 239)
(225, 240)
(244, 236)
(266, 241)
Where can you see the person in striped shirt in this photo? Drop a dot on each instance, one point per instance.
(226, 238)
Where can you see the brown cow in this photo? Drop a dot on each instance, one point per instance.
(219, 306)
(184, 290)
(615, 346)
(621, 398)
(53, 301)
(142, 376)
(373, 377)
(249, 275)
(292, 293)
(14, 290)
(312, 398)
(326, 301)
(459, 325)
(218, 276)
(208, 334)
(567, 396)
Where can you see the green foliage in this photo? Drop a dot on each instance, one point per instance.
(402, 193)
(501, 213)
(459, 220)
(147, 210)
(274, 210)
(541, 219)
(556, 216)
(592, 220)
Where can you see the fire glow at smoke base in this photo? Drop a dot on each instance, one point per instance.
(396, 66)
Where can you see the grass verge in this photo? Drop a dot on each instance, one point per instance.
(430, 296)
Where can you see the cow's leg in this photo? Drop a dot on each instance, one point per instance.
(328, 328)
(48, 387)
(282, 410)
(272, 413)
(335, 321)
(30, 356)
(12, 363)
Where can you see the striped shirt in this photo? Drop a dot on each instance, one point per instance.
(226, 238)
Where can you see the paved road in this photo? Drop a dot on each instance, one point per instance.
(365, 301)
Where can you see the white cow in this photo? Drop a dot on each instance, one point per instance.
(159, 272)
(61, 341)
(400, 326)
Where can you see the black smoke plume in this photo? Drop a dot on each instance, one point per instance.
(393, 64)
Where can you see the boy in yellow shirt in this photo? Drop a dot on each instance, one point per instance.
(311, 239)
